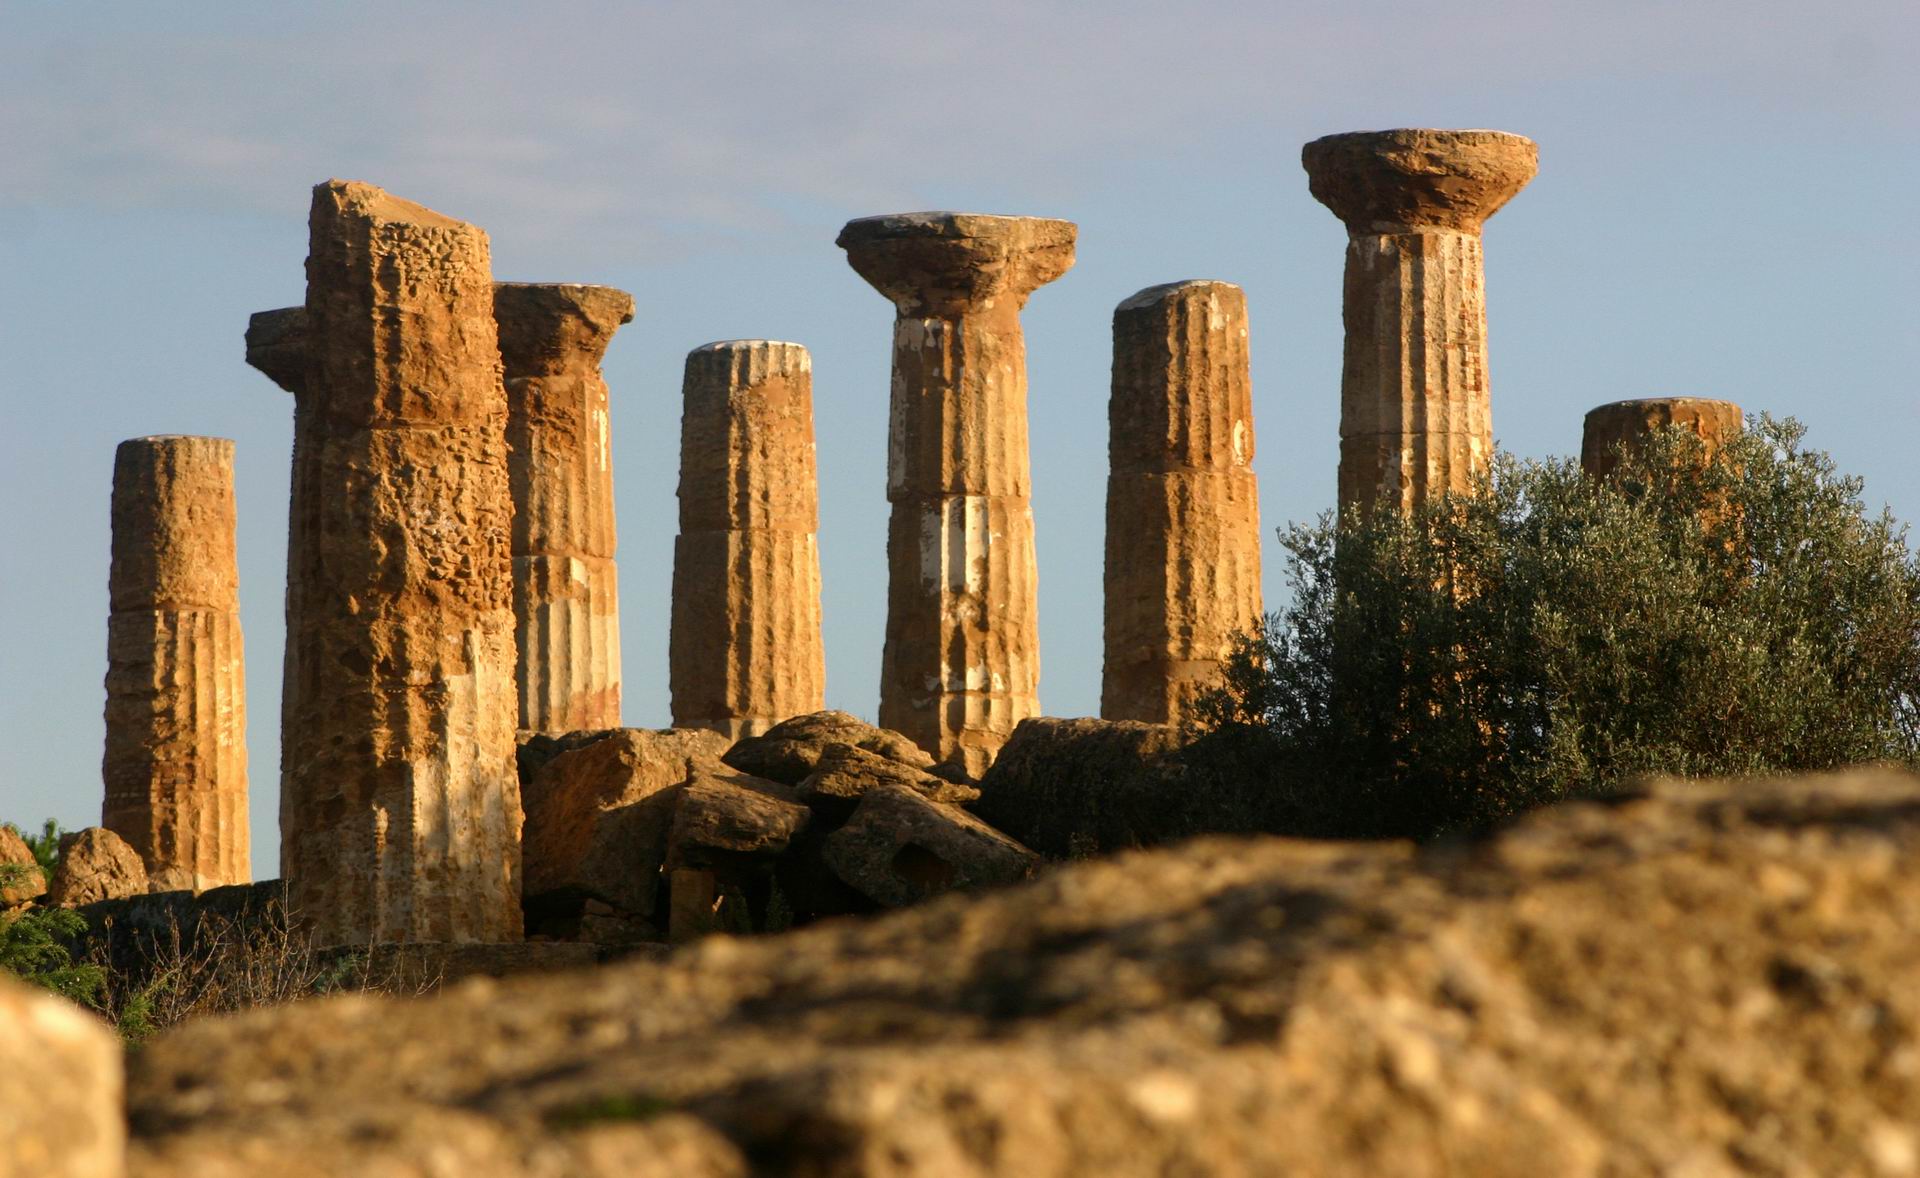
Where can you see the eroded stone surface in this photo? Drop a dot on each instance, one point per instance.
(1183, 506)
(566, 591)
(901, 847)
(961, 664)
(792, 749)
(1415, 416)
(95, 864)
(1614, 428)
(399, 811)
(844, 773)
(745, 650)
(175, 766)
(60, 1089)
(1715, 978)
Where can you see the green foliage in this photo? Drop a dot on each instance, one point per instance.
(45, 845)
(1552, 635)
(34, 948)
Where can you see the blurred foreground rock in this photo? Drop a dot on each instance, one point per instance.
(1712, 979)
(59, 1089)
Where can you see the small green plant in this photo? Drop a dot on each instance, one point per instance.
(1554, 635)
(34, 948)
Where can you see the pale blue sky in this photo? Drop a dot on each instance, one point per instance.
(1723, 209)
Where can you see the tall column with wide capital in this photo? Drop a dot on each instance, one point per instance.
(1183, 507)
(961, 666)
(745, 650)
(566, 601)
(176, 756)
(399, 803)
(1415, 418)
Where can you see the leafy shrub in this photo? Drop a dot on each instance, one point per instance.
(1553, 635)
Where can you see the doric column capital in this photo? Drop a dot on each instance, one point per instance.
(279, 344)
(944, 265)
(1415, 179)
(550, 327)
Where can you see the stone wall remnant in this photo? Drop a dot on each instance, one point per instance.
(566, 600)
(175, 764)
(961, 664)
(1183, 505)
(399, 811)
(745, 650)
(1416, 420)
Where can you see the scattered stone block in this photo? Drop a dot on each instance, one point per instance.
(791, 750)
(729, 821)
(599, 814)
(61, 1088)
(29, 882)
(96, 864)
(900, 847)
(1069, 788)
(844, 773)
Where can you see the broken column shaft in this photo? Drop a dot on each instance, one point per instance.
(745, 649)
(175, 766)
(961, 665)
(566, 600)
(1183, 509)
(1415, 417)
(399, 807)
(1613, 430)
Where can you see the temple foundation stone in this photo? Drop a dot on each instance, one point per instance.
(1416, 420)
(1183, 507)
(566, 600)
(175, 766)
(961, 664)
(399, 808)
(745, 650)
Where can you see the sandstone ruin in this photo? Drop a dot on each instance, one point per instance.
(1416, 420)
(1183, 506)
(566, 600)
(399, 809)
(1614, 428)
(175, 765)
(745, 650)
(961, 665)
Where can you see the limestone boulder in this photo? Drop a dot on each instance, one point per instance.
(95, 864)
(728, 820)
(901, 847)
(20, 876)
(1712, 978)
(599, 812)
(844, 773)
(60, 1089)
(791, 750)
(1072, 787)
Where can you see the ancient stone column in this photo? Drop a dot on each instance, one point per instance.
(745, 650)
(961, 665)
(1617, 427)
(1415, 418)
(566, 599)
(1183, 506)
(399, 806)
(176, 755)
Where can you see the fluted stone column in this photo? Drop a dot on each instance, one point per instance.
(745, 650)
(176, 755)
(1415, 418)
(399, 806)
(1612, 429)
(1183, 507)
(566, 599)
(961, 666)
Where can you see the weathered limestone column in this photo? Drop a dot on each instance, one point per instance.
(745, 651)
(961, 666)
(1183, 506)
(176, 754)
(1415, 418)
(399, 806)
(566, 600)
(1618, 426)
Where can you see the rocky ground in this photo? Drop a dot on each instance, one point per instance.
(1706, 980)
